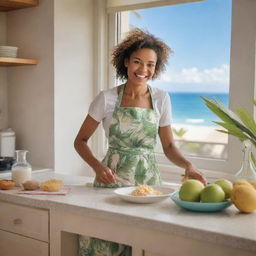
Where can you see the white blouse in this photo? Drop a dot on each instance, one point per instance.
(102, 107)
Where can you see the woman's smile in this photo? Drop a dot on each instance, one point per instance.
(140, 76)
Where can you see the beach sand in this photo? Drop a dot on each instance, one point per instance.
(202, 141)
(196, 133)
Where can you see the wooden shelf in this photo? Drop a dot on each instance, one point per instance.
(16, 62)
(10, 5)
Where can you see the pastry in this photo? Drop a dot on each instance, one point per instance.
(6, 184)
(52, 185)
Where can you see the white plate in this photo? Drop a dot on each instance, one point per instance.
(124, 193)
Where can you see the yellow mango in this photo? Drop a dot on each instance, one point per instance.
(244, 198)
(242, 182)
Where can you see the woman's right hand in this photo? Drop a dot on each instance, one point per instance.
(105, 175)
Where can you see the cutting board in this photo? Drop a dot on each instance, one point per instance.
(63, 191)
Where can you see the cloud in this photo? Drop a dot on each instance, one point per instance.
(212, 76)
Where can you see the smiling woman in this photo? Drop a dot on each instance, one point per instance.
(138, 115)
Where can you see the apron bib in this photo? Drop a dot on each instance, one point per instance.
(132, 139)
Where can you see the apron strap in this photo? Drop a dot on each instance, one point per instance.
(152, 98)
(120, 96)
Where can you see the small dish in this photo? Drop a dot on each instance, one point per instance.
(8, 51)
(124, 193)
(198, 206)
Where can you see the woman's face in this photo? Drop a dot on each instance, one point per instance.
(141, 65)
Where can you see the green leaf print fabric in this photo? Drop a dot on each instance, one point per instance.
(132, 139)
(90, 246)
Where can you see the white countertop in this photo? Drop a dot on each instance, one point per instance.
(229, 227)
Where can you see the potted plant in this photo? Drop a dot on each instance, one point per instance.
(240, 124)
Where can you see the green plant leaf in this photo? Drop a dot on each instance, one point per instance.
(232, 129)
(179, 132)
(231, 133)
(213, 106)
(248, 121)
(231, 118)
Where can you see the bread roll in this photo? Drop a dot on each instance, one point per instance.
(30, 185)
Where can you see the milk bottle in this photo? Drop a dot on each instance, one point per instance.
(21, 169)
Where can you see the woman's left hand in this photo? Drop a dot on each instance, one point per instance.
(192, 173)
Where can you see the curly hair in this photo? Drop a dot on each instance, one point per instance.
(138, 39)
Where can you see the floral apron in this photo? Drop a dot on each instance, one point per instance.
(132, 139)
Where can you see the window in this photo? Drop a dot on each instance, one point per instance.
(239, 84)
(200, 36)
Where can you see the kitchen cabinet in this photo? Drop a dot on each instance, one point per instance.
(23, 230)
(13, 245)
(10, 5)
(160, 229)
(145, 241)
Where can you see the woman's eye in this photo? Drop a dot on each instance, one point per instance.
(151, 65)
(136, 62)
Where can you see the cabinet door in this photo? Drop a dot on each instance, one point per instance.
(24, 220)
(13, 245)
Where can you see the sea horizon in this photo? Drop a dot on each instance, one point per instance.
(188, 108)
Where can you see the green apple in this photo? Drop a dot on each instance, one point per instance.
(226, 185)
(190, 190)
(212, 193)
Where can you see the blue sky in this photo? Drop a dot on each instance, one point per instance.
(199, 34)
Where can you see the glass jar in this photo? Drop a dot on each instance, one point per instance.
(247, 171)
(21, 169)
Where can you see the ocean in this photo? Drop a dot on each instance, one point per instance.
(190, 109)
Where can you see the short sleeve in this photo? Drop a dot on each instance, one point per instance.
(166, 111)
(97, 107)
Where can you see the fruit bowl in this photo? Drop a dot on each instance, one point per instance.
(198, 206)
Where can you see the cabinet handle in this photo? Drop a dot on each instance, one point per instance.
(17, 221)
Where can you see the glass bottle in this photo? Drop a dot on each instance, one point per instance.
(21, 169)
(247, 171)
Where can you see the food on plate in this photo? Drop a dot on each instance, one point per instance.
(52, 185)
(190, 190)
(6, 184)
(212, 193)
(244, 198)
(31, 185)
(145, 191)
(242, 182)
(226, 185)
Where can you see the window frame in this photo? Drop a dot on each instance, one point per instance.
(242, 71)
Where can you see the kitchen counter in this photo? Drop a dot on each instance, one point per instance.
(228, 229)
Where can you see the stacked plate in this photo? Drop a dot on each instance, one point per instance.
(8, 51)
